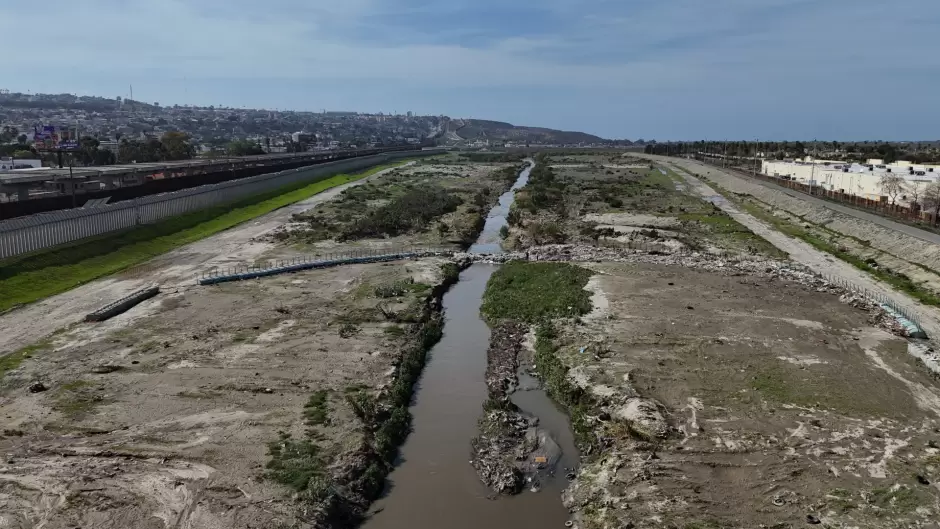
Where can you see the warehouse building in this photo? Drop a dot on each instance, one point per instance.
(863, 180)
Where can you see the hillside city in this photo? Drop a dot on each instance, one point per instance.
(124, 130)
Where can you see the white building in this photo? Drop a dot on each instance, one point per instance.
(9, 164)
(855, 179)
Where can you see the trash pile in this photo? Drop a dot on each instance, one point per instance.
(510, 448)
(501, 359)
(500, 445)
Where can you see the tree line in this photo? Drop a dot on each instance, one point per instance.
(890, 152)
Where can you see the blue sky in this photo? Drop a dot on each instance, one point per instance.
(664, 69)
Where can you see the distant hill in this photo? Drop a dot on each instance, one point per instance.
(480, 129)
(71, 102)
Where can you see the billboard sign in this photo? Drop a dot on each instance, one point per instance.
(45, 138)
(49, 139)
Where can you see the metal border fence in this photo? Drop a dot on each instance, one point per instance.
(45, 230)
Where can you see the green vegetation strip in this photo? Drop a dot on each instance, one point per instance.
(13, 360)
(30, 278)
(531, 292)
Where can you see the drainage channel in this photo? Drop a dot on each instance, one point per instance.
(434, 484)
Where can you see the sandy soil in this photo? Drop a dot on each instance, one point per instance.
(735, 401)
(162, 417)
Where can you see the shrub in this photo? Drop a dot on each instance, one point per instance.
(546, 233)
(413, 210)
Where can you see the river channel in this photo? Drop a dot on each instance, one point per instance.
(434, 486)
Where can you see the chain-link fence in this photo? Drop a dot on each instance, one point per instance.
(876, 297)
(37, 232)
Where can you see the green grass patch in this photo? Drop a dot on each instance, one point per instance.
(900, 500)
(531, 292)
(29, 278)
(77, 398)
(316, 410)
(400, 288)
(394, 330)
(13, 360)
(450, 273)
(298, 465)
(841, 501)
(784, 383)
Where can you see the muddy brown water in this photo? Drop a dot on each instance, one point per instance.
(489, 239)
(434, 484)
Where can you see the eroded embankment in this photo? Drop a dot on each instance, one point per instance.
(512, 449)
(359, 478)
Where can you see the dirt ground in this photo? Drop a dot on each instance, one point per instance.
(736, 401)
(167, 415)
(626, 204)
(820, 262)
(175, 270)
(162, 417)
(725, 397)
(891, 249)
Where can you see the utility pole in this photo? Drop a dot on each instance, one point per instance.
(812, 173)
(756, 155)
(71, 180)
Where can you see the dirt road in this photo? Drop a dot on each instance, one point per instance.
(805, 254)
(173, 271)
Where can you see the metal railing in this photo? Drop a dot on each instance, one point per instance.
(326, 260)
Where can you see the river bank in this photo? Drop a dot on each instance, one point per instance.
(710, 382)
(272, 402)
